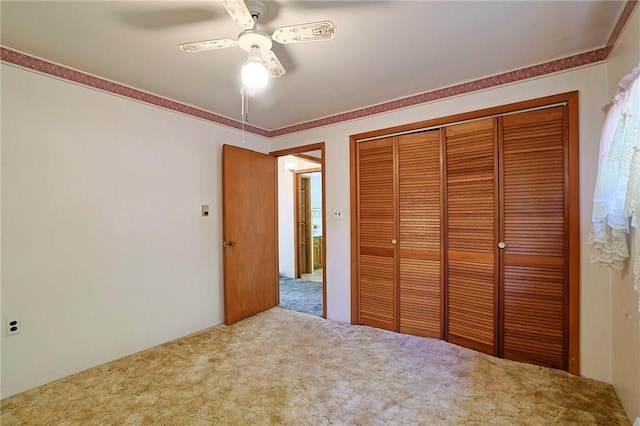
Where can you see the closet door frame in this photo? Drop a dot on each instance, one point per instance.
(573, 199)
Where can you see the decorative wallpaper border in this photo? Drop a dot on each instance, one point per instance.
(622, 21)
(40, 65)
(456, 90)
(562, 64)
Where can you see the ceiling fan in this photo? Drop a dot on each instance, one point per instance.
(262, 61)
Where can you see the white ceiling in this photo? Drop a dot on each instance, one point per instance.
(382, 50)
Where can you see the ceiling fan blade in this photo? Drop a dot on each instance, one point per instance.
(275, 67)
(312, 31)
(239, 12)
(199, 46)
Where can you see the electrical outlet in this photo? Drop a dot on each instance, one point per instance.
(337, 214)
(14, 326)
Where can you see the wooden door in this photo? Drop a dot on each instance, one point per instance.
(471, 233)
(376, 230)
(419, 231)
(250, 232)
(303, 217)
(534, 169)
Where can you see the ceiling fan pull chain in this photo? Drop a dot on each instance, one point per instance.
(246, 105)
(242, 96)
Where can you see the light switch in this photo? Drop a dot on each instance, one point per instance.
(205, 210)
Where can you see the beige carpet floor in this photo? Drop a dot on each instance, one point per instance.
(285, 367)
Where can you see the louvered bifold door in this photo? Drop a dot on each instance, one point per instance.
(471, 232)
(376, 225)
(419, 211)
(535, 280)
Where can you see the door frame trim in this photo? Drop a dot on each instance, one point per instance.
(301, 149)
(573, 184)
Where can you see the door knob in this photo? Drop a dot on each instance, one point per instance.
(394, 241)
(229, 244)
(501, 244)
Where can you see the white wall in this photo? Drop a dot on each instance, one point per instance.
(595, 332)
(286, 221)
(104, 249)
(624, 308)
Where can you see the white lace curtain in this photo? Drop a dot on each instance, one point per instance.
(616, 201)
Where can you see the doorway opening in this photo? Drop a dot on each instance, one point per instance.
(301, 220)
(308, 217)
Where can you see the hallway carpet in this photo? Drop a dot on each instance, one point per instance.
(301, 295)
(287, 368)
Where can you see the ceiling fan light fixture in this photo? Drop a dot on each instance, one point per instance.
(255, 73)
(262, 62)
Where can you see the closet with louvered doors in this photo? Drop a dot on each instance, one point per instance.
(488, 243)
(507, 236)
(399, 233)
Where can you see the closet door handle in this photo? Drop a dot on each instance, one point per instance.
(501, 244)
(394, 241)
